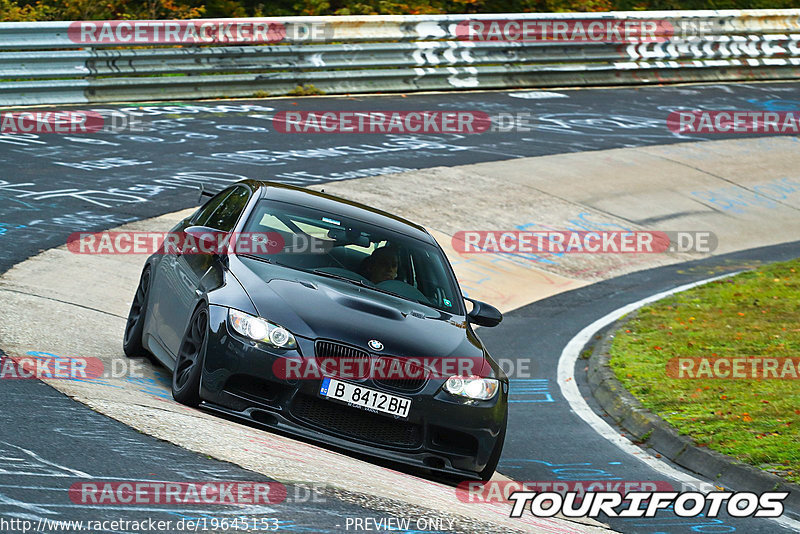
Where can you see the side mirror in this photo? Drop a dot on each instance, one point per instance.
(208, 240)
(484, 314)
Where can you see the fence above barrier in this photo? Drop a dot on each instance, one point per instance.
(104, 61)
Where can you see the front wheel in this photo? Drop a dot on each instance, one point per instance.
(132, 342)
(494, 459)
(188, 367)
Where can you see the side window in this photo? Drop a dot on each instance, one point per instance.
(204, 213)
(227, 213)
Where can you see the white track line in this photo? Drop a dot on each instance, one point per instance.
(569, 388)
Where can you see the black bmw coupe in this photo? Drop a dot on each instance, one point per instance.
(324, 319)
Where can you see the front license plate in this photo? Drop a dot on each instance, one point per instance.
(364, 397)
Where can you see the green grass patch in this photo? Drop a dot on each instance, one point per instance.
(753, 314)
(305, 90)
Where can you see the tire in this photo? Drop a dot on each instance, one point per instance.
(132, 341)
(189, 365)
(494, 459)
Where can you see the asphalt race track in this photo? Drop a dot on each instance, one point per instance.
(548, 441)
(56, 441)
(54, 185)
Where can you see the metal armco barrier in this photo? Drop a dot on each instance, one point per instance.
(49, 63)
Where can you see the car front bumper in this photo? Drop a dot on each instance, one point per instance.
(442, 432)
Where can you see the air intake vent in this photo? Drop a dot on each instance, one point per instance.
(355, 423)
(358, 361)
(396, 374)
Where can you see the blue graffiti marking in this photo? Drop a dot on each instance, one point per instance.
(5, 227)
(530, 390)
(776, 105)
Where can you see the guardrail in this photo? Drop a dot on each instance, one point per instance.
(55, 63)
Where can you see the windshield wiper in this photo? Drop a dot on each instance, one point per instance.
(259, 258)
(357, 282)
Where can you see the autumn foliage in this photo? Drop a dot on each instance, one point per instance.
(32, 10)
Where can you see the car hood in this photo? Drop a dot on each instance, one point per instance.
(318, 307)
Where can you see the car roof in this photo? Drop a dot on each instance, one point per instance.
(337, 205)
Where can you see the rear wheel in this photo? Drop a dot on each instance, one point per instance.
(188, 367)
(132, 342)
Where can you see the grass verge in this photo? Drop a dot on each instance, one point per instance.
(756, 421)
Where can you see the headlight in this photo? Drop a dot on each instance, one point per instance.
(259, 329)
(472, 387)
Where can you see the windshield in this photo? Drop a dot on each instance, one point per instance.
(363, 254)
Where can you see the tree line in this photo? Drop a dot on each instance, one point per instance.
(35, 10)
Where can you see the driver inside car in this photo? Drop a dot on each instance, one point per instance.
(381, 265)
